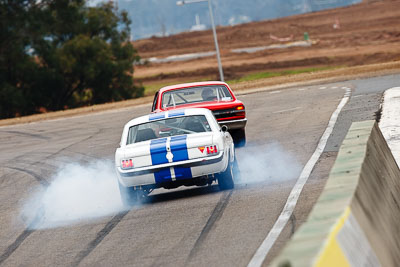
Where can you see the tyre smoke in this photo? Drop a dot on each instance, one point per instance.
(266, 163)
(77, 193)
(83, 192)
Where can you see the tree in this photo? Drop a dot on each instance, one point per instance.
(14, 57)
(62, 53)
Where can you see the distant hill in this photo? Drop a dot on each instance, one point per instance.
(164, 17)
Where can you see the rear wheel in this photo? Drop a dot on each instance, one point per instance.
(225, 179)
(239, 137)
(130, 196)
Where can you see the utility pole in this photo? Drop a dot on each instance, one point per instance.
(181, 3)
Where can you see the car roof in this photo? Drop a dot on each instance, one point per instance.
(185, 85)
(168, 114)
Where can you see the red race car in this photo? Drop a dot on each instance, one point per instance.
(216, 96)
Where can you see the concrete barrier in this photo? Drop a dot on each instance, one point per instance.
(390, 120)
(356, 220)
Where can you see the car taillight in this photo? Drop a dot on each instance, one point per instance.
(240, 108)
(127, 164)
(240, 112)
(212, 150)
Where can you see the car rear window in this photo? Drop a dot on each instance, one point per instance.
(168, 127)
(196, 95)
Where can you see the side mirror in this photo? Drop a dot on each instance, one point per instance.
(224, 128)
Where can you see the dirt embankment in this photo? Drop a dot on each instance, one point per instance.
(365, 33)
(367, 41)
(267, 84)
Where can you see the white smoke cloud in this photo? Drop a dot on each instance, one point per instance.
(77, 192)
(83, 192)
(268, 164)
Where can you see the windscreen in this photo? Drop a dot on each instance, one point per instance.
(196, 95)
(168, 127)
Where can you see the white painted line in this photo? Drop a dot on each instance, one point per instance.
(301, 89)
(285, 110)
(275, 92)
(294, 195)
(172, 170)
(390, 121)
(358, 96)
(334, 87)
(322, 88)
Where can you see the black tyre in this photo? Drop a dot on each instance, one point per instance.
(225, 179)
(239, 137)
(130, 196)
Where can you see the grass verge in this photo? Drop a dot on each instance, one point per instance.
(302, 78)
(264, 75)
(151, 88)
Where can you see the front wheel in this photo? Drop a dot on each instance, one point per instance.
(225, 179)
(130, 196)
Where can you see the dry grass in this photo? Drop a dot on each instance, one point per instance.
(266, 84)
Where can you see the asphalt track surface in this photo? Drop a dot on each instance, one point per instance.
(199, 226)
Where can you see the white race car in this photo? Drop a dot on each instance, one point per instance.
(173, 148)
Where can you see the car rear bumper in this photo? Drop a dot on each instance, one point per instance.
(234, 124)
(170, 173)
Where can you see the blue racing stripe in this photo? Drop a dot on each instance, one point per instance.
(158, 151)
(163, 175)
(182, 173)
(176, 113)
(179, 148)
(156, 116)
